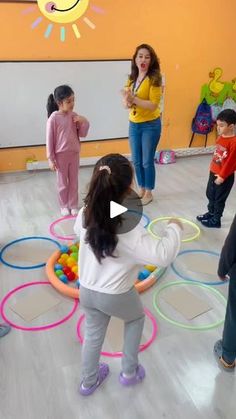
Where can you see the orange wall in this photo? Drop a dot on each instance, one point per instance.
(190, 37)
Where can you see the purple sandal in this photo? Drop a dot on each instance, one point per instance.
(137, 378)
(102, 374)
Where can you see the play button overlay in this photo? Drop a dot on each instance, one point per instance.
(116, 209)
(130, 211)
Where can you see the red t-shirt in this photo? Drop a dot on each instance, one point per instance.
(224, 158)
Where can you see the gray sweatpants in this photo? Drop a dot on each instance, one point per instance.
(98, 308)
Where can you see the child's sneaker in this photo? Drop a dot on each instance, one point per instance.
(102, 375)
(135, 379)
(205, 216)
(65, 212)
(218, 350)
(211, 223)
(74, 212)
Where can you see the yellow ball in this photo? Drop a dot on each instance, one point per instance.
(150, 268)
(75, 269)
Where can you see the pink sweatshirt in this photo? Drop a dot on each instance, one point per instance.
(63, 133)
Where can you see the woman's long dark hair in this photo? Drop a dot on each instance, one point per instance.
(111, 180)
(60, 93)
(154, 71)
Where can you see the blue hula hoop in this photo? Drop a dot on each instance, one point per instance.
(185, 277)
(40, 265)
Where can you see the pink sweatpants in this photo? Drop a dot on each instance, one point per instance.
(67, 179)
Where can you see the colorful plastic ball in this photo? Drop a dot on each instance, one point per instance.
(75, 269)
(59, 272)
(58, 266)
(64, 256)
(66, 270)
(74, 248)
(150, 268)
(64, 279)
(77, 283)
(70, 262)
(71, 276)
(74, 256)
(143, 274)
(64, 249)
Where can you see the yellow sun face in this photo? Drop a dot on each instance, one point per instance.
(63, 11)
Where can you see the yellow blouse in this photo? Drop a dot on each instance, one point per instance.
(145, 91)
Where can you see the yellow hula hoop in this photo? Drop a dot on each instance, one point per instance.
(183, 220)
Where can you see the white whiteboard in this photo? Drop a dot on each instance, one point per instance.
(25, 87)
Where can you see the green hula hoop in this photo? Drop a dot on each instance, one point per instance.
(182, 325)
(184, 221)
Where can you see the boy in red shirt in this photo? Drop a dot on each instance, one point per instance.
(222, 168)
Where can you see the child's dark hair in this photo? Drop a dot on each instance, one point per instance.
(60, 93)
(111, 180)
(228, 116)
(154, 71)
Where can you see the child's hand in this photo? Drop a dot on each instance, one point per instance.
(52, 165)
(79, 119)
(224, 278)
(176, 221)
(218, 180)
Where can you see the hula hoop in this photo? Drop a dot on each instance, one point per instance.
(184, 221)
(142, 347)
(58, 236)
(40, 265)
(183, 325)
(36, 328)
(186, 278)
(71, 292)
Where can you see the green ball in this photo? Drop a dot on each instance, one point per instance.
(59, 272)
(74, 248)
(74, 256)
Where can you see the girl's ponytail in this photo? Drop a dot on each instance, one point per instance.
(51, 105)
(111, 180)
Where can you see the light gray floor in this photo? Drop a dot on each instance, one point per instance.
(39, 371)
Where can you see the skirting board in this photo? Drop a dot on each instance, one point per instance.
(90, 161)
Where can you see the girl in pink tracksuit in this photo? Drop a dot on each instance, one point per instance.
(64, 129)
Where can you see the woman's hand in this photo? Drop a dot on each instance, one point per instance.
(128, 98)
(52, 165)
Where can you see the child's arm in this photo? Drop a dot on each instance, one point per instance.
(50, 144)
(159, 252)
(228, 253)
(82, 125)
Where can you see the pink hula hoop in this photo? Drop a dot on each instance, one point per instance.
(52, 225)
(36, 328)
(142, 347)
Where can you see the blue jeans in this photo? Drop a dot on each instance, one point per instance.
(144, 138)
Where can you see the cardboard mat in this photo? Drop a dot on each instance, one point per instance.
(186, 303)
(34, 305)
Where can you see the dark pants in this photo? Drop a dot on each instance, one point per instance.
(229, 333)
(217, 194)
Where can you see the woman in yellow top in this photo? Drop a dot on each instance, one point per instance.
(142, 96)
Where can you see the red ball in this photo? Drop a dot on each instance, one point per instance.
(66, 270)
(71, 276)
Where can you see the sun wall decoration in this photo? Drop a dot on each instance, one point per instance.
(62, 12)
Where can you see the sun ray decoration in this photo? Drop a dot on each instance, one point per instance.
(76, 31)
(97, 9)
(63, 34)
(89, 23)
(36, 22)
(29, 10)
(48, 30)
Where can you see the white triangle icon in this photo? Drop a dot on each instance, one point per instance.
(116, 209)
